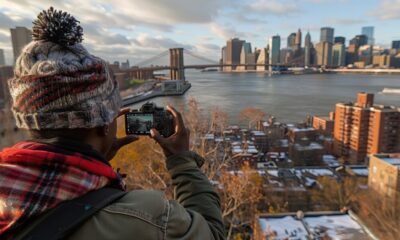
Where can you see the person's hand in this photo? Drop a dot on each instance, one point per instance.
(118, 143)
(176, 143)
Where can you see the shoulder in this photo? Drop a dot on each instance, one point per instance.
(146, 205)
(142, 214)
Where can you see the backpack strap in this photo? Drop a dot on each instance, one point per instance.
(71, 214)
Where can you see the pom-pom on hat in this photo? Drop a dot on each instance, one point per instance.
(57, 83)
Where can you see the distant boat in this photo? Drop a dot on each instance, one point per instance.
(209, 70)
(391, 91)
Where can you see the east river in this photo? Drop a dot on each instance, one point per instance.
(290, 98)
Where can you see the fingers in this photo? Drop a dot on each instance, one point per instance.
(123, 111)
(157, 136)
(180, 126)
(126, 140)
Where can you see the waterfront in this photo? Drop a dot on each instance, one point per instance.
(288, 97)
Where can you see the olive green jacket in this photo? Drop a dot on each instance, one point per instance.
(194, 214)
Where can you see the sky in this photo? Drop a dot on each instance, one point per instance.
(138, 29)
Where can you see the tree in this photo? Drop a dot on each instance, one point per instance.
(380, 214)
(335, 194)
(144, 162)
(251, 116)
(240, 193)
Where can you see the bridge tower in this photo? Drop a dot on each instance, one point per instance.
(177, 71)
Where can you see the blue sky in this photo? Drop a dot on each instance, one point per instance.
(137, 29)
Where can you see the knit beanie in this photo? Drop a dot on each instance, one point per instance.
(57, 83)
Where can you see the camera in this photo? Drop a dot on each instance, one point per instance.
(139, 122)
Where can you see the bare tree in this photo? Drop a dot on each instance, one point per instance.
(335, 194)
(251, 116)
(240, 192)
(144, 162)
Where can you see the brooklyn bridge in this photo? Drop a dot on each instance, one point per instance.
(145, 69)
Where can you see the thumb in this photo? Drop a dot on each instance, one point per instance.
(157, 136)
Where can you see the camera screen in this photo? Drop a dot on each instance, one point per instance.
(139, 123)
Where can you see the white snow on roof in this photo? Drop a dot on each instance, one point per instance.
(209, 136)
(330, 160)
(283, 228)
(309, 181)
(237, 150)
(273, 173)
(236, 143)
(319, 171)
(265, 124)
(312, 146)
(393, 161)
(328, 157)
(360, 171)
(252, 150)
(302, 129)
(341, 227)
(258, 133)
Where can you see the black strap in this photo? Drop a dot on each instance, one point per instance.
(69, 215)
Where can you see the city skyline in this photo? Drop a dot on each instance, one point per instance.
(135, 30)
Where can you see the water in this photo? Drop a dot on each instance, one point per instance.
(290, 98)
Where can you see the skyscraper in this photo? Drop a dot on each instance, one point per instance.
(365, 54)
(6, 72)
(340, 39)
(20, 36)
(324, 53)
(396, 44)
(359, 40)
(2, 59)
(223, 55)
(369, 32)
(291, 41)
(262, 59)
(363, 128)
(246, 50)
(307, 50)
(233, 49)
(274, 49)
(298, 40)
(338, 55)
(327, 34)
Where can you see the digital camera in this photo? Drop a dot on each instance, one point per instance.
(139, 122)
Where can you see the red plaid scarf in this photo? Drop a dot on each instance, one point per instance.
(34, 178)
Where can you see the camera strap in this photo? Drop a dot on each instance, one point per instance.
(67, 217)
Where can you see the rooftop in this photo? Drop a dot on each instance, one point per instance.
(294, 129)
(314, 225)
(393, 158)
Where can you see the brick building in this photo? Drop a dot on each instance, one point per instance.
(324, 125)
(384, 178)
(363, 128)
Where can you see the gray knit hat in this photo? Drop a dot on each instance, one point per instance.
(57, 83)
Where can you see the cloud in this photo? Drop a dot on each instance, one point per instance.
(159, 42)
(99, 35)
(6, 22)
(275, 7)
(387, 9)
(345, 21)
(223, 32)
(111, 29)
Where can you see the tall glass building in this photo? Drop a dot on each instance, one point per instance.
(274, 48)
(369, 32)
(327, 34)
